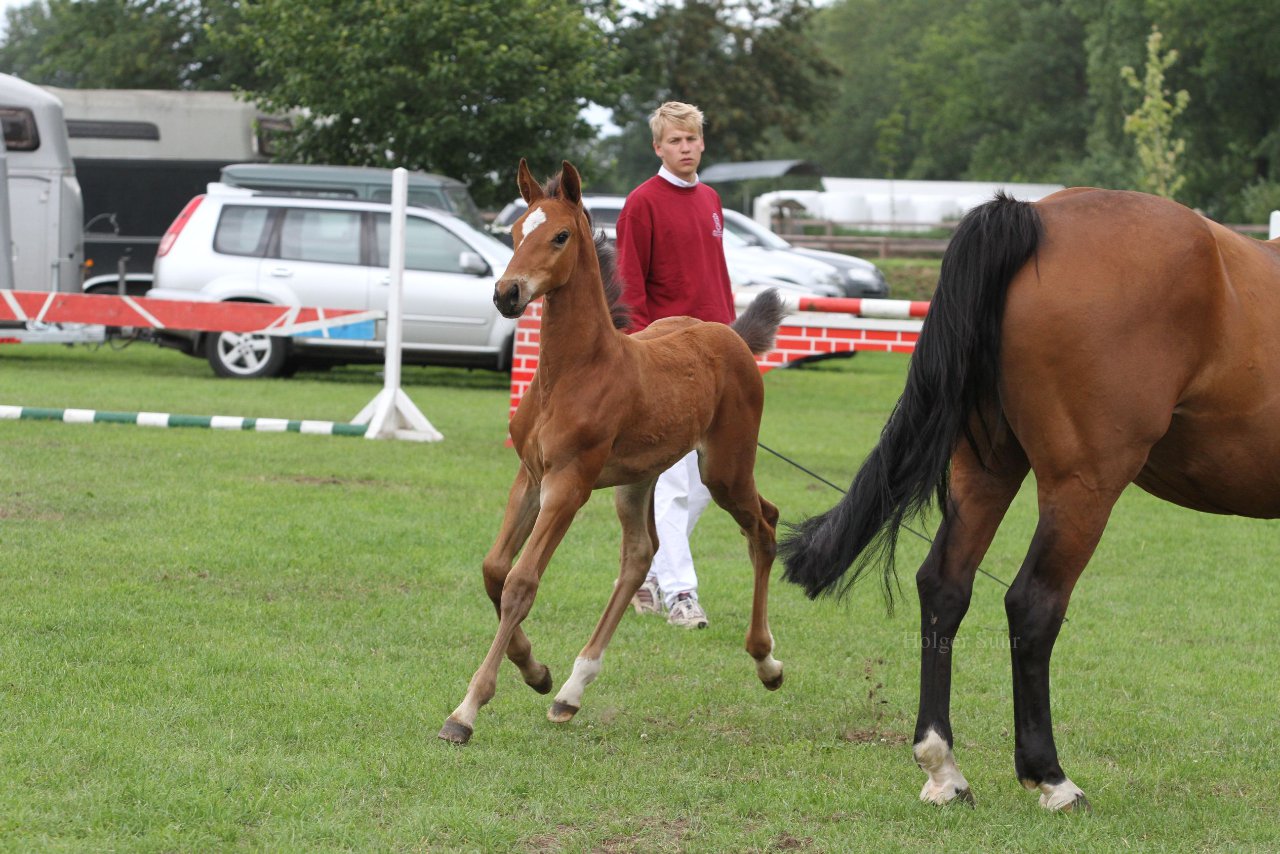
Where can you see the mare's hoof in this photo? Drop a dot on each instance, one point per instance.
(946, 795)
(773, 684)
(1080, 805)
(542, 685)
(1063, 797)
(455, 732)
(561, 713)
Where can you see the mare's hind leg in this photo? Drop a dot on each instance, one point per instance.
(634, 504)
(521, 513)
(1074, 509)
(979, 497)
(729, 476)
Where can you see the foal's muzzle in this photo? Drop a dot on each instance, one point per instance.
(507, 298)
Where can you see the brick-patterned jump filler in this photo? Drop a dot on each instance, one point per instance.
(817, 327)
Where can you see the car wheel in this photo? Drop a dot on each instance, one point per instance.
(246, 355)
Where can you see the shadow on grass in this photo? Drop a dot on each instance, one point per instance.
(116, 359)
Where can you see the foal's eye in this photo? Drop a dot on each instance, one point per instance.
(562, 238)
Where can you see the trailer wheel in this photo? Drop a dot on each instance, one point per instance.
(246, 356)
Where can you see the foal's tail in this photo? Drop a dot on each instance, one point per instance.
(954, 372)
(758, 325)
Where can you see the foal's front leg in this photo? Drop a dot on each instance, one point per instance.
(634, 504)
(517, 523)
(563, 494)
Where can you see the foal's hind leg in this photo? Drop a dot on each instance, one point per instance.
(634, 504)
(728, 474)
(979, 498)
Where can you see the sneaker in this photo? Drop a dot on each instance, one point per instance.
(687, 613)
(648, 599)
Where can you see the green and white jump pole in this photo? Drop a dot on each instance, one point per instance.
(165, 419)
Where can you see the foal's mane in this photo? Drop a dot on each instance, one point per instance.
(619, 311)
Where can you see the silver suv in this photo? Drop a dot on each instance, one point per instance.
(234, 245)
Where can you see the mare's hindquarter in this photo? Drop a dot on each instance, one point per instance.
(1143, 344)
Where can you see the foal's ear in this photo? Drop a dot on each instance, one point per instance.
(530, 190)
(570, 183)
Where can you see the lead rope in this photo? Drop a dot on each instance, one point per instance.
(819, 477)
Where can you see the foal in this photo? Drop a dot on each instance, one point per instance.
(609, 409)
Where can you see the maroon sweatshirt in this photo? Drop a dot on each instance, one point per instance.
(671, 255)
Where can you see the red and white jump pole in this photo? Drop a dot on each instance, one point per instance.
(817, 327)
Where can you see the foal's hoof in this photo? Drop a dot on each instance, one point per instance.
(769, 669)
(561, 713)
(543, 684)
(455, 732)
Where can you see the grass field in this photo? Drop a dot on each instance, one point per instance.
(216, 641)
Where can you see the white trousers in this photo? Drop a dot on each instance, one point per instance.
(678, 500)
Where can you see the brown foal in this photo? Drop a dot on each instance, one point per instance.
(609, 409)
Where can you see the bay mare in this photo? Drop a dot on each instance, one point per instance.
(610, 409)
(1097, 339)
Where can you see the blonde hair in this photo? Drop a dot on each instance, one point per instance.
(675, 114)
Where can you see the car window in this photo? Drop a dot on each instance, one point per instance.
(605, 216)
(751, 231)
(242, 230)
(427, 245)
(330, 237)
(464, 207)
(20, 131)
(417, 198)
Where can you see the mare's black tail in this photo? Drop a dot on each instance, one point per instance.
(954, 371)
(758, 325)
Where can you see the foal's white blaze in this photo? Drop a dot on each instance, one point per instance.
(585, 671)
(1062, 796)
(536, 217)
(936, 759)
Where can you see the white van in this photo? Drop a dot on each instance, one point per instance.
(46, 213)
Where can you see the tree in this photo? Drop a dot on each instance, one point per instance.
(460, 87)
(750, 65)
(1151, 124)
(122, 44)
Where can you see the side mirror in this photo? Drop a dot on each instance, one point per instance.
(473, 264)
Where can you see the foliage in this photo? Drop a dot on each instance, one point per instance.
(1151, 124)
(219, 641)
(1258, 200)
(123, 44)
(749, 65)
(984, 89)
(989, 89)
(1031, 90)
(459, 87)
